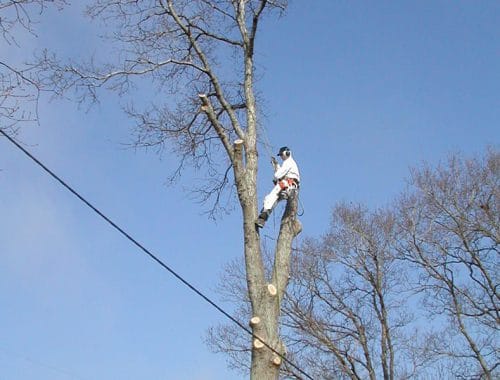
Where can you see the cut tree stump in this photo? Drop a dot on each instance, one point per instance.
(277, 360)
(257, 343)
(272, 289)
(254, 321)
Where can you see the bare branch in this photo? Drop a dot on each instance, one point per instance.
(19, 87)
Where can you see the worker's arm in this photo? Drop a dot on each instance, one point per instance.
(275, 164)
(282, 170)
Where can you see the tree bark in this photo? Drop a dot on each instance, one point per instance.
(265, 363)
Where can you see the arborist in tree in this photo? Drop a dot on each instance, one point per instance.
(286, 179)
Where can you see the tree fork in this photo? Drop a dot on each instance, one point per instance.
(266, 363)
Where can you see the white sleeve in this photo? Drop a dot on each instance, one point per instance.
(282, 170)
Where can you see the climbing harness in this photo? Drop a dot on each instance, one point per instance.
(287, 186)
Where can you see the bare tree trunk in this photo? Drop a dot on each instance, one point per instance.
(267, 305)
(265, 298)
(387, 352)
(464, 331)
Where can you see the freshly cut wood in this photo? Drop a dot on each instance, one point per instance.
(257, 343)
(277, 360)
(254, 321)
(272, 289)
(205, 106)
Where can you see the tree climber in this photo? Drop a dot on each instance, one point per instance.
(286, 179)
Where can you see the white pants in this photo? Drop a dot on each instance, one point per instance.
(271, 198)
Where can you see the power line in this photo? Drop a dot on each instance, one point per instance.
(148, 253)
(40, 364)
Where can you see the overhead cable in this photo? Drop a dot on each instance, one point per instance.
(149, 253)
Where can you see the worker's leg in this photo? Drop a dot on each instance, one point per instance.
(269, 202)
(271, 198)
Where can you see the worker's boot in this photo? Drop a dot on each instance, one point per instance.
(261, 220)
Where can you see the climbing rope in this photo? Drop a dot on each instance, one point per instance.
(267, 145)
(301, 205)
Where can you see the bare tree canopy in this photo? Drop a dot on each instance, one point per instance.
(344, 304)
(450, 232)
(19, 13)
(19, 85)
(197, 57)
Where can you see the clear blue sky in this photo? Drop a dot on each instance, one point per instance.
(359, 90)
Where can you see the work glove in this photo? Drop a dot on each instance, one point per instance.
(274, 161)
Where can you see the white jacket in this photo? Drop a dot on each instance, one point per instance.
(288, 169)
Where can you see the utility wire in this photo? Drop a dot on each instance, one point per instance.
(40, 364)
(149, 253)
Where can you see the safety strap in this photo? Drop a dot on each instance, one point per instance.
(288, 183)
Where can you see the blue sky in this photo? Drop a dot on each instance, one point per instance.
(360, 91)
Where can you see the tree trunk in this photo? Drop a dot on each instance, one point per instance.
(267, 303)
(265, 296)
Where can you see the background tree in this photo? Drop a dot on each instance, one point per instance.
(410, 291)
(206, 113)
(346, 311)
(19, 85)
(347, 305)
(449, 231)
